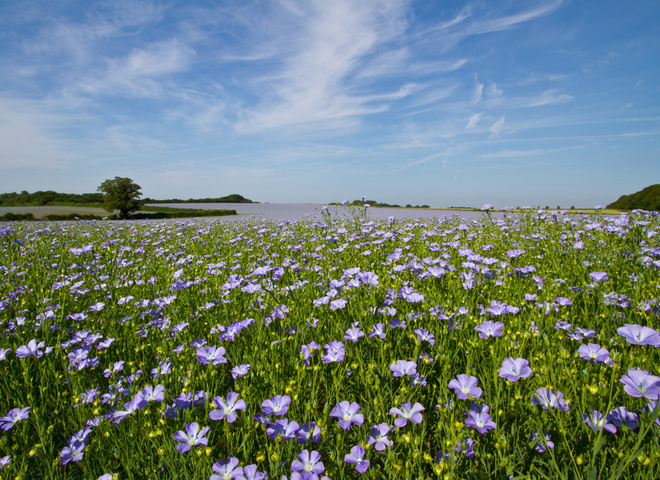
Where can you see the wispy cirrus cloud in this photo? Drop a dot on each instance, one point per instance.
(139, 73)
(317, 79)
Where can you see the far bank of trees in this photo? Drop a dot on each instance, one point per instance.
(647, 199)
(49, 197)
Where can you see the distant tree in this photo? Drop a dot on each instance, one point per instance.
(122, 195)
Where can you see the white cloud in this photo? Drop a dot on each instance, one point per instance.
(478, 92)
(139, 73)
(548, 97)
(27, 136)
(496, 128)
(474, 119)
(315, 82)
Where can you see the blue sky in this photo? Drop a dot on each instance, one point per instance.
(443, 103)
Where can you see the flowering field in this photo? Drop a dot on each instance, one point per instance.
(523, 347)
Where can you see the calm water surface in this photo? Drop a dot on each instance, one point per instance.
(298, 211)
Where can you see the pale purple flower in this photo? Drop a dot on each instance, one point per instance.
(378, 330)
(227, 409)
(598, 421)
(338, 304)
(378, 437)
(513, 369)
(240, 370)
(541, 444)
(549, 399)
(353, 334)
(347, 414)
(191, 437)
(424, 335)
(3, 353)
(334, 352)
(357, 456)
(595, 352)
(403, 367)
(368, 278)
(32, 348)
(308, 463)
(227, 469)
(309, 431)
(4, 461)
(598, 277)
(14, 416)
(406, 412)
(621, 416)
(465, 386)
(211, 355)
(277, 405)
(479, 419)
(250, 472)
(638, 335)
(283, 427)
(640, 383)
(72, 453)
(490, 329)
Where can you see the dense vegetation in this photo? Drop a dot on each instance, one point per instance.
(49, 197)
(233, 198)
(374, 203)
(647, 199)
(521, 347)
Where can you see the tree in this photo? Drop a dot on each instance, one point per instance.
(121, 194)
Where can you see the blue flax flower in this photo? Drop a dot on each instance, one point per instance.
(406, 412)
(549, 399)
(72, 452)
(621, 416)
(403, 367)
(228, 469)
(357, 456)
(309, 464)
(640, 383)
(595, 352)
(353, 334)
(378, 330)
(513, 369)
(14, 416)
(378, 437)
(250, 472)
(347, 414)
(227, 409)
(638, 335)
(211, 355)
(283, 427)
(598, 421)
(240, 370)
(465, 386)
(490, 329)
(541, 444)
(479, 419)
(191, 437)
(309, 431)
(277, 405)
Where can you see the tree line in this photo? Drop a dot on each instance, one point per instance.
(646, 199)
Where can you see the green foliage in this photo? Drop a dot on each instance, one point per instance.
(49, 197)
(12, 217)
(647, 199)
(233, 198)
(121, 194)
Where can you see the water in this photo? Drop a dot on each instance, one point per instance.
(303, 211)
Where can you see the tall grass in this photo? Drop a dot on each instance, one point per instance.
(165, 292)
